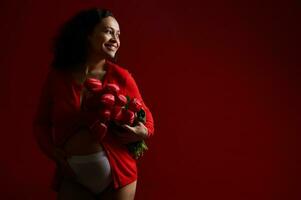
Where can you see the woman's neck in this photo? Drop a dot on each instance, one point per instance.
(94, 66)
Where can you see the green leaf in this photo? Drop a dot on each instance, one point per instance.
(137, 148)
(141, 115)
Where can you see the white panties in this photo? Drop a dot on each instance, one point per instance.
(93, 171)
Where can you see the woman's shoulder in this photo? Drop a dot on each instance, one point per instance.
(119, 72)
(117, 68)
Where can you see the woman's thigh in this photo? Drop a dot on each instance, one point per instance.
(127, 192)
(71, 190)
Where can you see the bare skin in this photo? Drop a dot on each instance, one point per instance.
(104, 44)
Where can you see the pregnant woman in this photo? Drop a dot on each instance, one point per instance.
(92, 159)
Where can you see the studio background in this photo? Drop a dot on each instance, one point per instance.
(222, 80)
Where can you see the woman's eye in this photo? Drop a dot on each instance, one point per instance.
(108, 31)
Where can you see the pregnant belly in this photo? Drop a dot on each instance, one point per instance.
(82, 143)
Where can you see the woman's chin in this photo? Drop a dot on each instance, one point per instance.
(107, 55)
(110, 55)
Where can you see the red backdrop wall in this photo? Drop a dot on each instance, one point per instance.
(221, 78)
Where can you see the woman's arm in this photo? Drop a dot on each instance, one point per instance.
(133, 91)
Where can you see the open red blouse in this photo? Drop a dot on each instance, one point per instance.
(59, 115)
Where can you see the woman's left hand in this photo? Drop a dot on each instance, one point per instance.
(132, 133)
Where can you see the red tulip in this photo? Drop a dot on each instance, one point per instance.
(125, 116)
(129, 117)
(115, 111)
(93, 84)
(108, 100)
(112, 88)
(121, 100)
(105, 115)
(135, 105)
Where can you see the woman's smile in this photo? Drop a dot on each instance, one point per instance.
(111, 47)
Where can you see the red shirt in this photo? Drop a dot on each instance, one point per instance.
(59, 116)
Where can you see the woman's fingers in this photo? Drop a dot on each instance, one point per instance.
(127, 137)
(139, 130)
(134, 129)
(130, 133)
(128, 128)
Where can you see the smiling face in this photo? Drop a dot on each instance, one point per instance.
(104, 40)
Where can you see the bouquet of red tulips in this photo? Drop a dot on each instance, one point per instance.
(114, 109)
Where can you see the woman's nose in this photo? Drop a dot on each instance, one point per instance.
(114, 40)
(114, 37)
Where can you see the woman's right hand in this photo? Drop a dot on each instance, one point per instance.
(61, 157)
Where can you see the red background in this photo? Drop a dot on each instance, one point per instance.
(221, 78)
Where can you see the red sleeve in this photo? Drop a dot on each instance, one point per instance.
(133, 92)
(42, 123)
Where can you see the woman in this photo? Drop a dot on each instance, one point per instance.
(88, 168)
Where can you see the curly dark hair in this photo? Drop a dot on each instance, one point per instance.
(70, 47)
